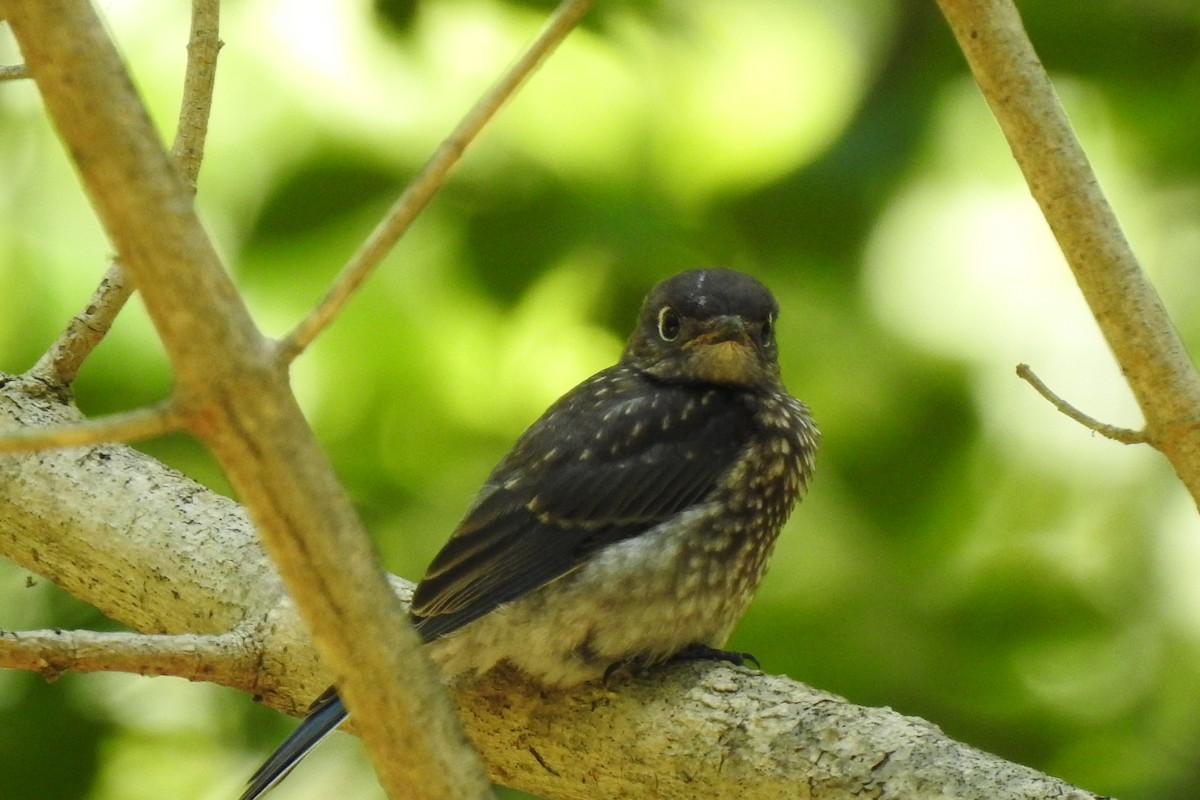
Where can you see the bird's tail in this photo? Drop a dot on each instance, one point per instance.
(326, 714)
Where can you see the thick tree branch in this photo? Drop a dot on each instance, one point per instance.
(235, 396)
(715, 731)
(1130, 314)
(694, 731)
(101, 517)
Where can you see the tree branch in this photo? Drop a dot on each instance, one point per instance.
(431, 177)
(1117, 434)
(235, 397)
(13, 72)
(129, 426)
(199, 82)
(91, 519)
(707, 730)
(696, 730)
(223, 658)
(60, 364)
(1126, 307)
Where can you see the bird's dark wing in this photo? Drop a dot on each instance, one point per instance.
(324, 715)
(615, 457)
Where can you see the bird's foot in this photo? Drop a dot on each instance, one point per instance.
(627, 668)
(635, 665)
(698, 652)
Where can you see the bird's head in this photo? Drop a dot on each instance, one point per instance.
(712, 326)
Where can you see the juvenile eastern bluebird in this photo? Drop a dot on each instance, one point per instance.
(633, 521)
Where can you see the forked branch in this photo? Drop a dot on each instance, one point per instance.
(236, 398)
(1126, 307)
(61, 362)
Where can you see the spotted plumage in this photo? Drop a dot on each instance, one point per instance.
(633, 521)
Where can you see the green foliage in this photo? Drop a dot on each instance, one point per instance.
(966, 555)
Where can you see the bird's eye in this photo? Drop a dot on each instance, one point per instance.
(668, 324)
(768, 330)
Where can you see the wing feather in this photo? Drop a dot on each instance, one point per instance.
(615, 457)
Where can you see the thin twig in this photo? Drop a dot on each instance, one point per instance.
(13, 72)
(199, 80)
(127, 426)
(1123, 435)
(224, 658)
(59, 365)
(429, 180)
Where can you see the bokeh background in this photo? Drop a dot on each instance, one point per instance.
(966, 554)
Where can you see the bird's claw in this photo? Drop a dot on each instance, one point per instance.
(698, 652)
(635, 665)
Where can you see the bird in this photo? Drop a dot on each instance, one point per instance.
(632, 522)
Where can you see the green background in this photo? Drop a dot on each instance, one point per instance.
(966, 554)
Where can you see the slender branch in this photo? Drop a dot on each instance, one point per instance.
(128, 426)
(225, 658)
(199, 81)
(1126, 307)
(429, 180)
(61, 363)
(1118, 434)
(13, 72)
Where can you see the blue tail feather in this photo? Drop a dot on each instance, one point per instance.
(323, 718)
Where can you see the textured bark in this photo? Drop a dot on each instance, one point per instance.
(163, 555)
(232, 392)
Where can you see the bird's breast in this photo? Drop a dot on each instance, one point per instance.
(729, 551)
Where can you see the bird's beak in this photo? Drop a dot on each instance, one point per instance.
(729, 328)
(724, 353)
